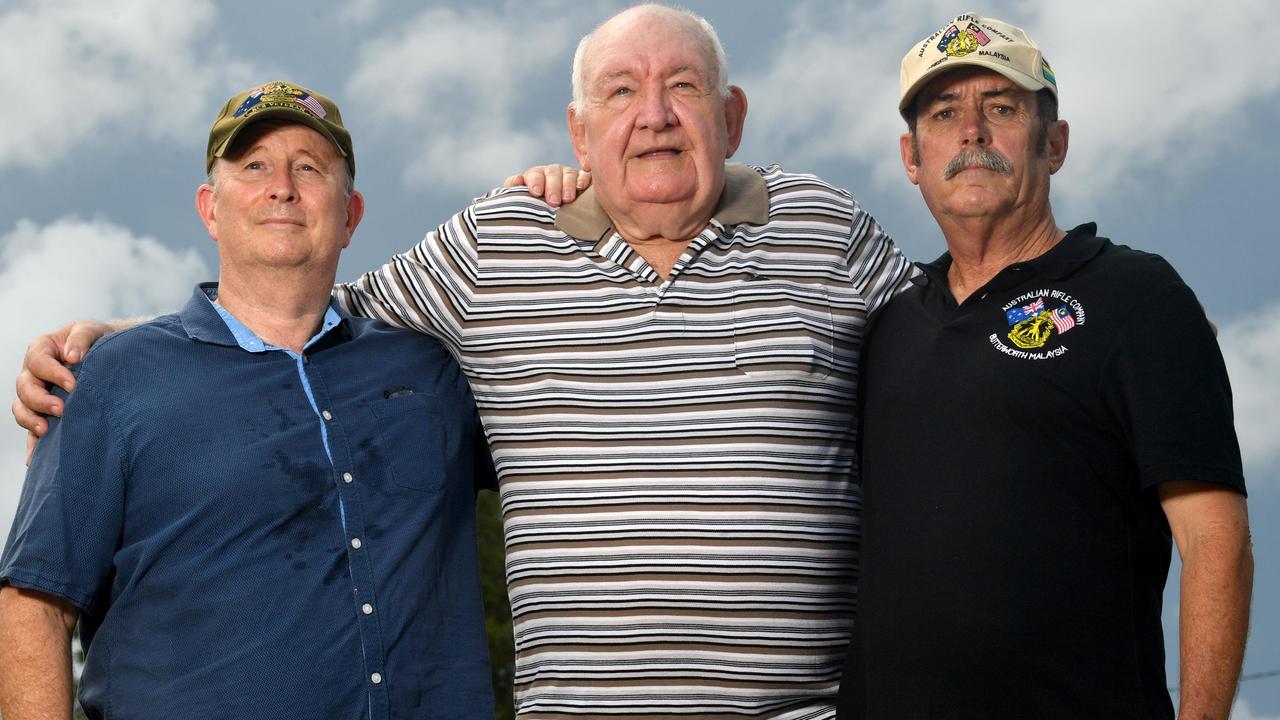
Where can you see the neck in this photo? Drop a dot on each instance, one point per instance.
(660, 252)
(282, 313)
(661, 232)
(980, 248)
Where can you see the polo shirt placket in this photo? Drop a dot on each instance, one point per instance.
(311, 378)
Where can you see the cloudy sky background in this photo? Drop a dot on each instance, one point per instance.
(107, 106)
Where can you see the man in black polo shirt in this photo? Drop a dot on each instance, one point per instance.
(1044, 411)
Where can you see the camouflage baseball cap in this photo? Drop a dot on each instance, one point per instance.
(284, 101)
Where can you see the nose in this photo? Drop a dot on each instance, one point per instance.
(281, 186)
(974, 129)
(655, 111)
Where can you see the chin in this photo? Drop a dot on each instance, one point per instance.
(678, 190)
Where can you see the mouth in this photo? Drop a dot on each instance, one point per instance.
(282, 221)
(658, 153)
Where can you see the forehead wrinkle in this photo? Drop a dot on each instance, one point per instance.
(952, 95)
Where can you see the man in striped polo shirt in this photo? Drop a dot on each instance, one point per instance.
(666, 373)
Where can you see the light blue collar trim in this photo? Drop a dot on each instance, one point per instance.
(249, 340)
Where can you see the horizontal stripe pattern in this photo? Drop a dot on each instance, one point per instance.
(675, 457)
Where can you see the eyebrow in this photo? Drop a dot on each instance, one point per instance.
(950, 95)
(606, 78)
(613, 75)
(303, 154)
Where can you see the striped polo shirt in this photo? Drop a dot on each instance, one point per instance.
(675, 457)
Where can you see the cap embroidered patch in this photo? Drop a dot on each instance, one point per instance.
(958, 43)
(277, 95)
(1047, 72)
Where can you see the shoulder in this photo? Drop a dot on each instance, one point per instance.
(1135, 270)
(803, 197)
(393, 352)
(374, 336)
(779, 181)
(512, 205)
(158, 336)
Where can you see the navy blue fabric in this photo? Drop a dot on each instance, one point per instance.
(186, 505)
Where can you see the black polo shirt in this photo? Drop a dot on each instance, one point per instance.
(1014, 549)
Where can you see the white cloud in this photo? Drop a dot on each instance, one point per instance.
(1241, 711)
(830, 92)
(360, 12)
(1147, 86)
(75, 268)
(462, 81)
(1251, 347)
(76, 71)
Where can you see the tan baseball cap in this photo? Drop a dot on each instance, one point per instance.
(284, 101)
(974, 40)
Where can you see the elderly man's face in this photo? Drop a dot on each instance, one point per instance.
(280, 201)
(980, 151)
(654, 130)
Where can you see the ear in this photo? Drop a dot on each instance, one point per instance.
(1057, 139)
(735, 116)
(205, 209)
(909, 160)
(355, 212)
(578, 135)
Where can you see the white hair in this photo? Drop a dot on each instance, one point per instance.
(719, 62)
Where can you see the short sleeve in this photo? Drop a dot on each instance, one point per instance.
(877, 268)
(1169, 384)
(422, 289)
(71, 510)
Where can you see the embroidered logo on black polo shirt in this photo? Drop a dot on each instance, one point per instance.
(1036, 323)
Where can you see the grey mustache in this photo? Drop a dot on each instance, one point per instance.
(977, 157)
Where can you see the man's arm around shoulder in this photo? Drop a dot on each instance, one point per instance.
(1210, 524)
(35, 655)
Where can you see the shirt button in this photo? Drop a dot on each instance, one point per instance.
(376, 678)
(347, 477)
(326, 414)
(367, 609)
(355, 543)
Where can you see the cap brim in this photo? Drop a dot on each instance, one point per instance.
(1024, 81)
(294, 116)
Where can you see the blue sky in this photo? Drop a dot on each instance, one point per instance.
(107, 108)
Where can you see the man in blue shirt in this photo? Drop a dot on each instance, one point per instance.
(248, 517)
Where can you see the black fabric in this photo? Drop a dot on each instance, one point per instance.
(1014, 551)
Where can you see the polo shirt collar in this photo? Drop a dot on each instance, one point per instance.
(745, 200)
(1079, 246)
(207, 322)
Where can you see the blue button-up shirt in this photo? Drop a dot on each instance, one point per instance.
(253, 533)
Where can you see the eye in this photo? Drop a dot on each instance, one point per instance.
(622, 91)
(1001, 110)
(943, 114)
(254, 165)
(683, 85)
(307, 168)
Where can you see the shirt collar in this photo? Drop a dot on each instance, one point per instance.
(745, 200)
(209, 322)
(1079, 246)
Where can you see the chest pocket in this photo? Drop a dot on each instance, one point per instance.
(783, 328)
(413, 438)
